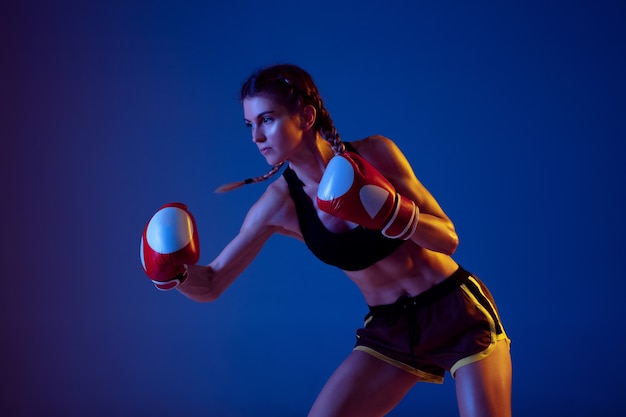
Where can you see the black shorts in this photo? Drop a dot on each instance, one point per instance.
(447, 326)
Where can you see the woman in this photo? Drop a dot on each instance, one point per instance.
(427, 315)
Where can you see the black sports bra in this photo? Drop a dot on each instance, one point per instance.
(353, 250)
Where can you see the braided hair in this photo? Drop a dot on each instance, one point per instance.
(292, 87)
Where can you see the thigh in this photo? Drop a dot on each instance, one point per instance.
(484, 388)
(362, 386)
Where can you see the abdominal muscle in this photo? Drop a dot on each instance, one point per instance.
(409, 270)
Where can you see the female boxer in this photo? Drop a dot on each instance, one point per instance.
(359, 206)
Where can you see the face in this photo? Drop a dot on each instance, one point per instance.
(275, 130)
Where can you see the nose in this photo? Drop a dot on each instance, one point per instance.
(257, 135)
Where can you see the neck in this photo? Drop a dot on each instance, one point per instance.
(310, 161)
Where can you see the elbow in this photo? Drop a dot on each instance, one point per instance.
(451, 244)
(444, 242)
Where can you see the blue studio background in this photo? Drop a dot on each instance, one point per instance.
(512, 114)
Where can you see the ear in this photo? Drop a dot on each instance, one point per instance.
(309, 115)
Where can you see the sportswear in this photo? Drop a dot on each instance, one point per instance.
(354, 250)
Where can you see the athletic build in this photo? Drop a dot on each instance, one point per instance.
(426, 314)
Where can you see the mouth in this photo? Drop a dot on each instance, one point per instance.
(265, 150)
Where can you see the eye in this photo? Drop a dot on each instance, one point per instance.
(247, 123)
(267, 119)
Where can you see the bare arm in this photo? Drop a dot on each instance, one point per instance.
(435, 231)
(206, 283)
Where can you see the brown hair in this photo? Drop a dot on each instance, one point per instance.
(292, 87)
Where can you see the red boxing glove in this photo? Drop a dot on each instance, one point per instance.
(353, 190)
(169, 240)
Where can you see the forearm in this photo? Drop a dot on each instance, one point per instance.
(207, 283)
(436, 234)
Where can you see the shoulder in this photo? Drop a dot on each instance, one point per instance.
(383, 153)
(274, 210)
(272, 199)
(373, 144)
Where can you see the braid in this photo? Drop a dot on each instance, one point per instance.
(234, 185)
(327, 127)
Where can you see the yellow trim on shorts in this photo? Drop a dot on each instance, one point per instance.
(492, 327)
(423, 376)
